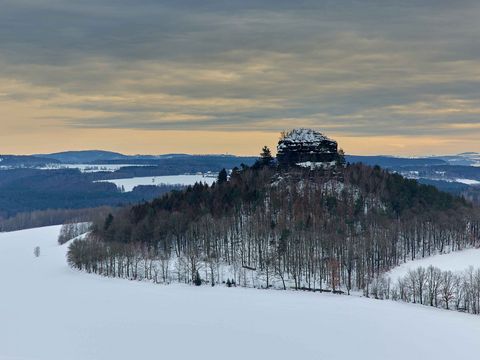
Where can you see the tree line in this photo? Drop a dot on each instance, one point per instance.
(50, 217)
(433, 287)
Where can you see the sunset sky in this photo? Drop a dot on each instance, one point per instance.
(199, 76)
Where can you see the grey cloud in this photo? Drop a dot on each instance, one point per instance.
(350, 61)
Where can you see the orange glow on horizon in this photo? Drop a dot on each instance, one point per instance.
(214, 142)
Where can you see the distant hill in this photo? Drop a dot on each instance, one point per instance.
(82, 157)
(7, 161)
(385, 161)
(200, 162)
(389, 162)
(464, 159)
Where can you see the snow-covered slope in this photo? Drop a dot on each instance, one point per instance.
(457, 261)
(50, 312)
(130, 184)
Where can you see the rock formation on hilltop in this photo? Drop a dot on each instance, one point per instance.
(307, 148)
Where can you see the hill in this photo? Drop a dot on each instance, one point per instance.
(327, 230)
(19, 161)
(85, 157)
(166, 160)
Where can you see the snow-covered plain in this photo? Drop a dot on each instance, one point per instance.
(456, 261)
(131, 183)
(51, 312)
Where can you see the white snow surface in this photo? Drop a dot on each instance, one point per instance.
(314, 165)
(51, 312)
(456, 261)
(130, 184)
(468, 181)
(305, 135)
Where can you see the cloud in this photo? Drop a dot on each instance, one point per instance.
(357, 68)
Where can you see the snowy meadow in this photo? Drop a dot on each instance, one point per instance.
(49, 311)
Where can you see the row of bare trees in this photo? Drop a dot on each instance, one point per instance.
(433, 287)
(72, 230)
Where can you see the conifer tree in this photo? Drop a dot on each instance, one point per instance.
(198, 280)
(266, 158)
(222, 176)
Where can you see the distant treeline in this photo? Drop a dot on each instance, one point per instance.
(29, 189)
(50, 217)
(324, 229)
(26, 190)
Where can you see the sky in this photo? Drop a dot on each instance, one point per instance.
(150, 76)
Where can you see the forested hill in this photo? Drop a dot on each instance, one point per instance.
(321, 229)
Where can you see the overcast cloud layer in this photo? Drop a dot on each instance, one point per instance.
(354, 68)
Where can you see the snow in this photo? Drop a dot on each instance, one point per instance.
(314, 165)
(468, 181)
(130, 184)
(472, 157)
(440, 177)
(51, 312)
(303, 136)
(457, 261)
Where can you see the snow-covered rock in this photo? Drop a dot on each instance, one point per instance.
(306, 147)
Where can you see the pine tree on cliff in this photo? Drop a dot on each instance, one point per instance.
(266, 158)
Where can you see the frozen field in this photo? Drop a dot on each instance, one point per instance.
(50, 312)
(129, 184)
(455, 261)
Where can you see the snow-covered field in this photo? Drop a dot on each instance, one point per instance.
(50, 312)
(129, 184)
(457, 261)
(468, 181)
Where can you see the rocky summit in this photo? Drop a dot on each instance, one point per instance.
(306, 147)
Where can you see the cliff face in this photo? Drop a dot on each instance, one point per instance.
(306, 147)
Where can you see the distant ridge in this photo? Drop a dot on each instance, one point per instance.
(390, 161)
(105, 157)
(85, 156)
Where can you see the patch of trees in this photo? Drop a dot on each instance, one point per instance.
(332, 229)
(70, 231)
(434, 287)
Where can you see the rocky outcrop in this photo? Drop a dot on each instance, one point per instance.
(308, 148)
